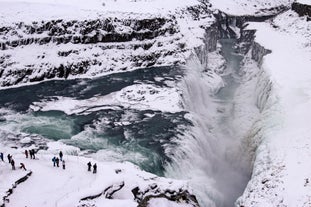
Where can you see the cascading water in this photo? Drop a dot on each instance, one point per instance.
(209, 154)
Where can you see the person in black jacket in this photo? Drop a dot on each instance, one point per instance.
(95, 168)
(61, 155)
(22, 166)
(13, 164)
(1, 156)
(9, 158)
(89, 165)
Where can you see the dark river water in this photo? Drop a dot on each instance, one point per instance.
(141, 140)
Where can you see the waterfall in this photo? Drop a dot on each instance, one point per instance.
(211, 154)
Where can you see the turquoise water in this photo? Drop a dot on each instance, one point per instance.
(141, 140)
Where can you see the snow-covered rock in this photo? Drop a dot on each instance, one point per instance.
(96, 42)
(280, 137)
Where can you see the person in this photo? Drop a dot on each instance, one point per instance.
(89, 165)
(33, 154)
(61, 155)
(9, 158)
(63, 163)
(54, 161)
(12, 163)
(57, 161)
(30, 153)
(1, 156)
(26, 153)
(95, 168)
(22, 166)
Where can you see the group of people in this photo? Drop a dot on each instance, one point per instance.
(32, 153)
(12, 161)
(89, 166)
(56, 160)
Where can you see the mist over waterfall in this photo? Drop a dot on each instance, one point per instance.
(211, 154)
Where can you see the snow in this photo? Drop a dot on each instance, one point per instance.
(306, 2)
(54, 186)
(138, 96)
(80, 9)
(248, 7)
(282, 171)
(163, 202)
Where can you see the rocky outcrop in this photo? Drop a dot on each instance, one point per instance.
(69, 48)
(183, 197)
(230, 26)
(10, 191)
(302, 9)
(143, 197)
(84, 32)
(107, 193)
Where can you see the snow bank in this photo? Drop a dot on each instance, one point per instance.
(281, 173)
(249, 7)
(163, 202)
(79, 9)
(138, 96)
(306, 2)
(112, 185)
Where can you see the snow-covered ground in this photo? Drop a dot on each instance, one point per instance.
(281, 173)
(249, 7)
(80, 9)
(306, 2)
(54, 186)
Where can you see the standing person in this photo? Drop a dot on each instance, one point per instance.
(63, 163)
(22, 166)
(12, 163)
(61, 155)
(95, 168)
(89, 165)
(33, 154)
(54, 161)
(1, 156)
(30, 154)
(9, 158)
(26, 153)
(57, 162)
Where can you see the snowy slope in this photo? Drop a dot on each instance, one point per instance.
(250, 7)
(75, 186)
(281, 173)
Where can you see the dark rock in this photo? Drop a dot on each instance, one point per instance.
(302, 9)
(184, 197)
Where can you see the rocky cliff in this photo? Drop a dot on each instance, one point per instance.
(62, 48)
(302, 9)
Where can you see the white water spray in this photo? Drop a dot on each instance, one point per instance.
(209, 155)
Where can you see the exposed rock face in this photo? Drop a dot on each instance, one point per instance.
(84, 32)
(143, 197)
(302, 9)
(10, 191)
(65, 48)
(229, 25)
(62, 48)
